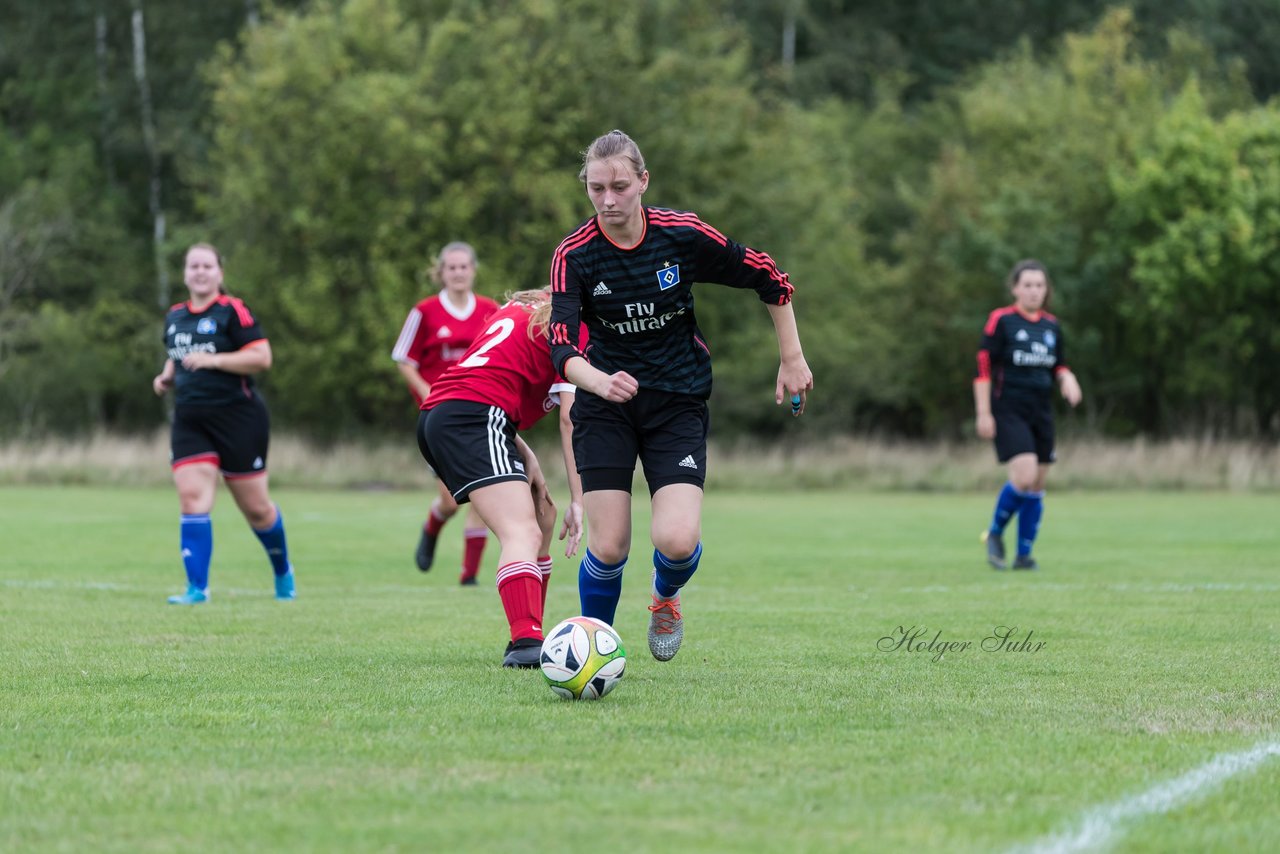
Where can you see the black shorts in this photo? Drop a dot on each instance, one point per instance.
(234, 437)
(1024, 427)
(469, 445)
(666, 431)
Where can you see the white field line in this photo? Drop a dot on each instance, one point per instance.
(1100, 825)
(158, 589)
(58, 584)
(1121, 587)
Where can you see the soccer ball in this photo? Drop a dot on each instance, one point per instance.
(583, 659)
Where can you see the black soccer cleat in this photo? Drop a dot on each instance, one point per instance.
(426, 551)
(1025, 562)
(523, 653)
(468, 581)
(995, 551)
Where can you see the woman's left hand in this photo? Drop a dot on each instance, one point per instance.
(1070, 388)
(200, 361)
(794, 380)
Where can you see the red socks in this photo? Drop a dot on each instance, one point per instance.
(520, 587)
(473, 552)
(434, 522)
(544, 566)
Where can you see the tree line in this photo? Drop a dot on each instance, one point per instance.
(896, 159)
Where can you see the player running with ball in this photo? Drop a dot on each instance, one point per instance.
(627, 274)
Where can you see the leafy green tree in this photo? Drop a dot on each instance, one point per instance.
(75, 225)
(848, 49)
(1027, 174)
(895, 159)
(352, 141)
(1198, 212)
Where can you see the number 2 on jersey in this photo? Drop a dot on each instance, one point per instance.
(500, 329)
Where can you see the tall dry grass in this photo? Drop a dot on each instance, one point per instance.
(951, 467)
(835, 463)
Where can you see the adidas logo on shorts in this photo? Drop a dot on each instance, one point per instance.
(601, 290)
(688, 463)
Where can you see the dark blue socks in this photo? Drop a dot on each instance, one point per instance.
(197, 548)
(273, 541)
(1009, 502)
(670, 574)
(1029, 521)
(600, 583)
(599, 587)
(1029, 507)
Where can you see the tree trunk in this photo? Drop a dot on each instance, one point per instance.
(153, 154)
(789, 36)
(106, 117)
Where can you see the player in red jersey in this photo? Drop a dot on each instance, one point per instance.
(1021, 357)
(214, 348)
(436, 333)
(467, 432)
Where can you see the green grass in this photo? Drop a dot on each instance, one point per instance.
(372, 715)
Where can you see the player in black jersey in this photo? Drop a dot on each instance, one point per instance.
(1019, 360)
(628, 273)
(214, 348)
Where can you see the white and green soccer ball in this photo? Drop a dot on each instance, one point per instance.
(583, 659)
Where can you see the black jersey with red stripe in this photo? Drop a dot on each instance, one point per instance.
(1020, 353)
(223, 326)
(637, 302)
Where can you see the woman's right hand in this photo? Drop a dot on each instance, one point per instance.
(161, 384)
(986, 426)
(617, 387)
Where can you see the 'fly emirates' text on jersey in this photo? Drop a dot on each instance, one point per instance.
(504, 368)
(1020, 354)
(637, 302)
(223, 326)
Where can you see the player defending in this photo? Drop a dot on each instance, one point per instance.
(467, 433)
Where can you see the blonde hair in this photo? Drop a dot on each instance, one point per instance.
(538, 300)
(437, 266)
(615, 143)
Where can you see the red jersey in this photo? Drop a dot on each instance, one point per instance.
(435, 334)
(505, 368)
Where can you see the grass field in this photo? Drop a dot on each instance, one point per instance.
(372, 715)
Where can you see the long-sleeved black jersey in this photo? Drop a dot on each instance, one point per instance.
(637, 302)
